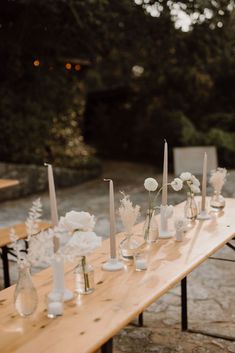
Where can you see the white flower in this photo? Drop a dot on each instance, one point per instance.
(128, 213)
(81, 244)
(151, 184)
(185, 176)
(77, 221)
(195, 189)
(195, 181)
(177, 184)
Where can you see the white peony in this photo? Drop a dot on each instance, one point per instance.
(77, 221)
(185, 176)
(81, 244)
(195, 189)
(177, 184)
(151, 184)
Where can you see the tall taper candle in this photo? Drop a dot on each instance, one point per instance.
(165, 175)
(53, 203)
(204, 180)
(112, 220)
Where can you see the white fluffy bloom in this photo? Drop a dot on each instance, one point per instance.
(185, 176)
(218, 178)
(177, 184)
(194, 188)
(151, 184)
(128, 213)
(77, 221)
(81, 244)
(195, 181)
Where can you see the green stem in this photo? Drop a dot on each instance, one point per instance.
(85, 274)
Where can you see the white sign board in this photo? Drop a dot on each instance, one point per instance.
(190, 159)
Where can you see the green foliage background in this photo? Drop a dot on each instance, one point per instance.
(186, 92)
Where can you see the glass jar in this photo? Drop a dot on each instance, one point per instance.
(190, 208)
(25, 296)
(129, 246)
(151, 232)
(84, 277)
(217, 202)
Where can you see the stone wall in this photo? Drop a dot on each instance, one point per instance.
(33, 178)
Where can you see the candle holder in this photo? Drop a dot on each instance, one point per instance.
(166, 212)
(203, 215)
(113, 264)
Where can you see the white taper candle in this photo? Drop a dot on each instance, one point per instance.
(112, 220)
(204, 181)
(165, 175)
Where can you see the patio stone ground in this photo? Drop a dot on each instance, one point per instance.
(211, 287)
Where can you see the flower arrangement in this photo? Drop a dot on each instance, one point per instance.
(218, 178)
(128, 213)
(190, 181)
(151, 185)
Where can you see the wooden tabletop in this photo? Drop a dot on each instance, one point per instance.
(7, 183)
(20, 230)
(91, 320)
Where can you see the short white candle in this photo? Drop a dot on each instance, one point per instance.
(165, 175)
(204, 180)
(55, 309)
(141, 264)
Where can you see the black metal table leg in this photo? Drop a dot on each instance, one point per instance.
(107, 347)
(5, 264)
(184, 309)
(141, 320)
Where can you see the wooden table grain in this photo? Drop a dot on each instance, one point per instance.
(90, 320)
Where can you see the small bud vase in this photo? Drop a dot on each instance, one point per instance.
(217, 202)
(151, 232)
(190, 208)
(25, 296)
(84, 277)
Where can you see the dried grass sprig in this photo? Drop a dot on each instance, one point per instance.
(128, 213)
(218, 178)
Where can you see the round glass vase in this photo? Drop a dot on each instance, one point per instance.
(129, 246)
(25, 295)
(217, 202)
(190, 208)
(84, 277)
(150, 230)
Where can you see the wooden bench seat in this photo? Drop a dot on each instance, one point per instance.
(5, 241)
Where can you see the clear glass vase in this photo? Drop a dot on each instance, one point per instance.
(190, 208)
(84, 277)
(129, 246)
(217, 202)
(151, 232)
(25, 296)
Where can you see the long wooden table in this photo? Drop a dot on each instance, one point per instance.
(90, 321)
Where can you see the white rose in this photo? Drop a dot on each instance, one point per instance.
(177, 184)
(151, 184)
(185, 176)
(77, 221)
(195, 189)
(82, 244)
(195, 181)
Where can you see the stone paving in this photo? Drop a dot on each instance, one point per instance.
(211, 287)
